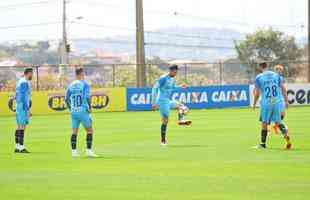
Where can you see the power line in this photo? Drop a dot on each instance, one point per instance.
(157, 32)
(28, 25)
(24, 4)
(191, 36)
(187, 46)
(226, 21)
(107, 27)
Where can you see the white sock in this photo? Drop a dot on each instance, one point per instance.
(17, 146)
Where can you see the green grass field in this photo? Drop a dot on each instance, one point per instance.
(212, 159)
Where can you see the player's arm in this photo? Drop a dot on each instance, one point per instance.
(88, 96)
(284, 93)
(67, 99)
(24, 89)
(256, 92)
(155, 91)
(175, 86)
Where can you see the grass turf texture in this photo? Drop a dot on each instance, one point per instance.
(212, 159)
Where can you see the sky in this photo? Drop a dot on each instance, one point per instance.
(107, 18)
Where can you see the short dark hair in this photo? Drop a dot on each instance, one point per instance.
(28, 70)
(173, 67)
(79, 71)
(263, 65)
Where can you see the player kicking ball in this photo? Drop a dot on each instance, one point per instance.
(79, 104)
(23, 114)
(269, 85)
(161, 94)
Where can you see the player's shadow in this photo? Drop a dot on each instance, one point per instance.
(188, 146)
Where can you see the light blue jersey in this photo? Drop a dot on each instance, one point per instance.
(23, 94)
(163, 89)
(23, 101)
(161, 94)
(269, 83)
(78, 96)
(78, 102)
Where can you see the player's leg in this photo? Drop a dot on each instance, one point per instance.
(163, 130)
(277, 118)
(265, 114)
(22, 120)
(164, 109)
(87, 123)
(75, 123)
(276, 127)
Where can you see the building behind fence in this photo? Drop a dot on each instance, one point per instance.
(54, 77)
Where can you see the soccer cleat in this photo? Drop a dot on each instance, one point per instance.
(185, 122)
(24, 151)
(260, 146)
(75, 153)
(16, 150)
(288, 142)
(91, 154)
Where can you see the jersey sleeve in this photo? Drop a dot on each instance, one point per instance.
(155, 90)
(24, 89)
(175, 86)
(67, 98)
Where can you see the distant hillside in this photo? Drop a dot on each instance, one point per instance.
(171, 43)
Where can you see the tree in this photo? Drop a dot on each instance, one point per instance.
(268, 45)
(272, 46)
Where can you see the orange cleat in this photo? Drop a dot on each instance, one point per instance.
(288, 142)
(289, 146)
(185, 122)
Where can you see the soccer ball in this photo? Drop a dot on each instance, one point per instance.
(183, 110)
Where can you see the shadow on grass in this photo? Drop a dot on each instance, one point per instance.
(187, 146)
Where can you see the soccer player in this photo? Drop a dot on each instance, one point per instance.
(161, 93)
(23, 103)
(78, 102)
(269, 85)
(279, 69)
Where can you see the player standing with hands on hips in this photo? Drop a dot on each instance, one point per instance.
(161, 98)
(23, 104)
(78, 102)
(270, 86)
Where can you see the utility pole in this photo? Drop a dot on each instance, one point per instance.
(309, 41)
(64, 49)
(140, 51)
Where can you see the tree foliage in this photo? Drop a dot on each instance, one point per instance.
(268, 45)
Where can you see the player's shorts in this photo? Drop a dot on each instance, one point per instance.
(83, 118)
(22, 117)
(165, 107)
(271, 113)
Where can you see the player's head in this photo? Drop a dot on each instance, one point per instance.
(28, 73)
(279, 69)
(263, 66)
(173, 70)
(79, 73)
